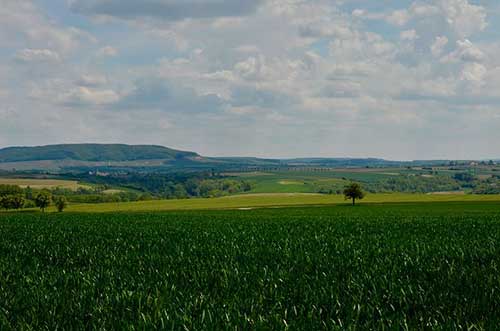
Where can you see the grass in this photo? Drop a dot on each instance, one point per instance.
(396, 266)
(272, 200)
(306, 181)
(42, 183)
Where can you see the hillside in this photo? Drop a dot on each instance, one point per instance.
(151, 158)
(92, 153)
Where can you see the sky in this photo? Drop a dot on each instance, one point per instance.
(395, 79)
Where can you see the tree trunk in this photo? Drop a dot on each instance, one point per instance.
(353, 201)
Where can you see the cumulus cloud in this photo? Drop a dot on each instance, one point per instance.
(85, 96)
(158, 94)
(107, 51)
(37, 55)
(23, 24)
(465, 51)
(166, 9)
(92, 80)
(253, 74)
(464, 17)
(437, 48)
(459, 16)
(408, 35)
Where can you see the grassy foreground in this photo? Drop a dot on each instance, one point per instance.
(271, 200)
(398, 266)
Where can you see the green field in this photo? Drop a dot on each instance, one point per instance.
(272, 200)
(395, 266)
(309, 181)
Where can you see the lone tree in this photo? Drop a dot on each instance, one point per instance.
(353, 192)
(61, 203)
(42, 200)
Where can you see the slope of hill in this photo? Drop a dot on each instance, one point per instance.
(92, 153)
(152, 158)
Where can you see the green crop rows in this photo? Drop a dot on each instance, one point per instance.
(428, 266)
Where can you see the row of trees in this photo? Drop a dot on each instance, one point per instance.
(14, 198)
(416, 183)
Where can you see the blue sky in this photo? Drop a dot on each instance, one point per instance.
(405, 79)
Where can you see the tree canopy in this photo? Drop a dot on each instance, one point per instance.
(354, 192)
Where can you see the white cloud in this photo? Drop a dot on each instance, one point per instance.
(398, 17)
(462, 18)
(107, 51)
(215, 76)
(465, 51)
(438, 46)
(37, 55)
(22, 25)
(83, 96)
(474, 72)
(410, 35)
(465, 18)
(92, 80)
(166, 10)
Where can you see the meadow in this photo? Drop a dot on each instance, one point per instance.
(308, 181)
(272, 200)
(374, 266)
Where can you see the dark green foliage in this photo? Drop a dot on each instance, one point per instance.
(487, 188)
(12, 201)
(60, 203)
(417, 184)
(414, 267)
(28, 193)
(17, 201)
(464, 177)
(10, 190)
(91, 152)
(43, 200)
(172, 185)
(354, 192)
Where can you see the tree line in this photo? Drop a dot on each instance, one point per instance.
(13, 197)
(134, 188)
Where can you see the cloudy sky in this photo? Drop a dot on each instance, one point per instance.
(399, 79)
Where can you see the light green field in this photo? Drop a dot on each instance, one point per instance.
(290, 181)
(312, 181)
(270, 200)
(42, 183)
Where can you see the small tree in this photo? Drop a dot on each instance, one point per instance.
(61, 203)
(42, 200)
(353, 192)
(17, 201)
(28, 193)
(4, 202)
(13, 201)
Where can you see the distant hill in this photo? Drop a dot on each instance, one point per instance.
(92, 153)
(150, 158)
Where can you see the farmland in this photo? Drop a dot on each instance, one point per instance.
(392, 266)
(272, 200)
(376, 180)
(42, 183)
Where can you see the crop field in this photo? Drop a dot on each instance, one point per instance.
(309, 181)
(273, 200)
(395, 266)
(314, 180)
(42, 183)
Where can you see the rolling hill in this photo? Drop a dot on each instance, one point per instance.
(92, 153)
(152, 158)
